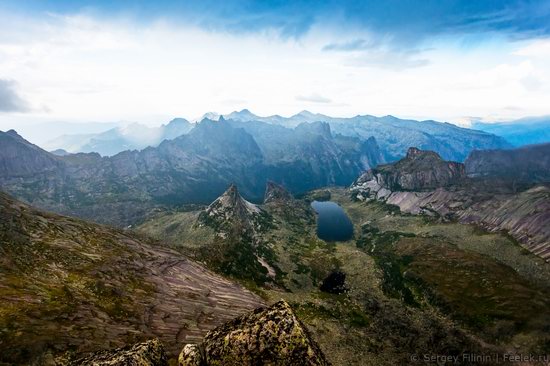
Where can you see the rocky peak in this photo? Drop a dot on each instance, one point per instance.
(316, 128)
(266, 336)
(420, 170)
(19, 158)
(276, 193)
(230, 208)
(414, 153)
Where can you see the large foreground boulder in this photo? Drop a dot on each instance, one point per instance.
(267, 336)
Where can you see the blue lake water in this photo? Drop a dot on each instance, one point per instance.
(332, 222)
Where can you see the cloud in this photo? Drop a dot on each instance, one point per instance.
(313, 98)
(392, 60)
(354, 45)
(406, 21)
(10, 101)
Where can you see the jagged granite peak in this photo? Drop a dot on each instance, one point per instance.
(276, 193)
(150, 353)
(231, 200)
(230, 209)
(266, 336)
(419, 171)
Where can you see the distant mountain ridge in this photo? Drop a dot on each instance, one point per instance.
(131, 137)
(525, 131)
(393, 135)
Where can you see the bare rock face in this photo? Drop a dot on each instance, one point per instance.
(267, 336)
(150, 353)
(530, 164)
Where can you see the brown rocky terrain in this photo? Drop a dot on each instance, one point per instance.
(441, 188)
(67, 284)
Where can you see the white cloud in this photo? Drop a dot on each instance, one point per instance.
(313, 98)
(85, 69)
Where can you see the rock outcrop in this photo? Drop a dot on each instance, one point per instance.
(418, 171)
(150, 353)
(267, 336)
(230, 211)
(422, 183)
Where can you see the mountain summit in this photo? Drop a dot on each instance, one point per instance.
(419, 170)
(230, 212)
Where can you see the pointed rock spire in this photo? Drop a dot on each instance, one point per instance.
(230, 207)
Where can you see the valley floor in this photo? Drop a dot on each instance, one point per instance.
(415, 285)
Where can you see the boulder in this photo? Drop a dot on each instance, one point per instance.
(266, 336)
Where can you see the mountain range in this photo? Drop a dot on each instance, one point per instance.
(218, 221)
(192, 168)
(394, 135)
(525, 131)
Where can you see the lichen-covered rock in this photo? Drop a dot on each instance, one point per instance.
(190, 355)
(267, 336)
(150, 353)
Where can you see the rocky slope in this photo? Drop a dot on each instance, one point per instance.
(528, 164)
(66, 284)
(194, 168)
(276, 193)
(267, 336)
(441, 188)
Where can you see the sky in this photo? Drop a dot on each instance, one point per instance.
(151, 61)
